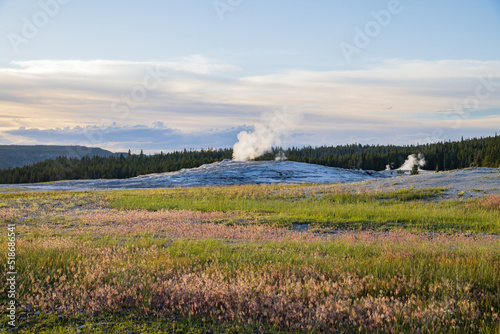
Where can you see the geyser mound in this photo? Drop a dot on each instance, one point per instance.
(227, 172)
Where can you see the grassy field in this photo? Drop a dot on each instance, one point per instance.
(253, 259)
(321, 207)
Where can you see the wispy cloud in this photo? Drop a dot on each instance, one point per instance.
(193, 64)
(153, 138)
(197, 94)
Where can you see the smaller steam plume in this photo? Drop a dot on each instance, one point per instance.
(281, 156)
(413, 160)
(270, 133)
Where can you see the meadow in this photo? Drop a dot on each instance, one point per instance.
(253, 259)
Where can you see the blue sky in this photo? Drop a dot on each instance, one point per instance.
(195, 75)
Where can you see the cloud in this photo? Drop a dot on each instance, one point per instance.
(195, 94)
(193, 64)
(123, 137)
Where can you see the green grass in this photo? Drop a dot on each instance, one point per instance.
(282, 206)
(11, 189)
(385, 268)
(139, 325)
(71, 275)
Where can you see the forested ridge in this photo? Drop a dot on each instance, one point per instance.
(12, 156)
(480, 152)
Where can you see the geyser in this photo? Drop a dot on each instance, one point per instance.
(271, 132)
(413, 160)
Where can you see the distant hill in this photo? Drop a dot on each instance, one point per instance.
(21, 155)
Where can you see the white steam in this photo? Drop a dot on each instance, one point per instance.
(413, 160)
(281, 156)
(266, 135)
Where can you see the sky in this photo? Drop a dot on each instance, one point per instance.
(174, 74)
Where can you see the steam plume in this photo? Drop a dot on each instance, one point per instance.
(281, 156)
(413, 160)
(271, 132)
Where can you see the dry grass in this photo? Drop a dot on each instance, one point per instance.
(491, 202)
(94, 262)
(328, 285)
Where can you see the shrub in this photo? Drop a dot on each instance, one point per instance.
(414, 170)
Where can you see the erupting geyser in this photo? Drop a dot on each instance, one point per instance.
(271, 132)
(413, 160)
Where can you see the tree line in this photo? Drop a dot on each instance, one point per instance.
(479, 152)
(120, 167)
